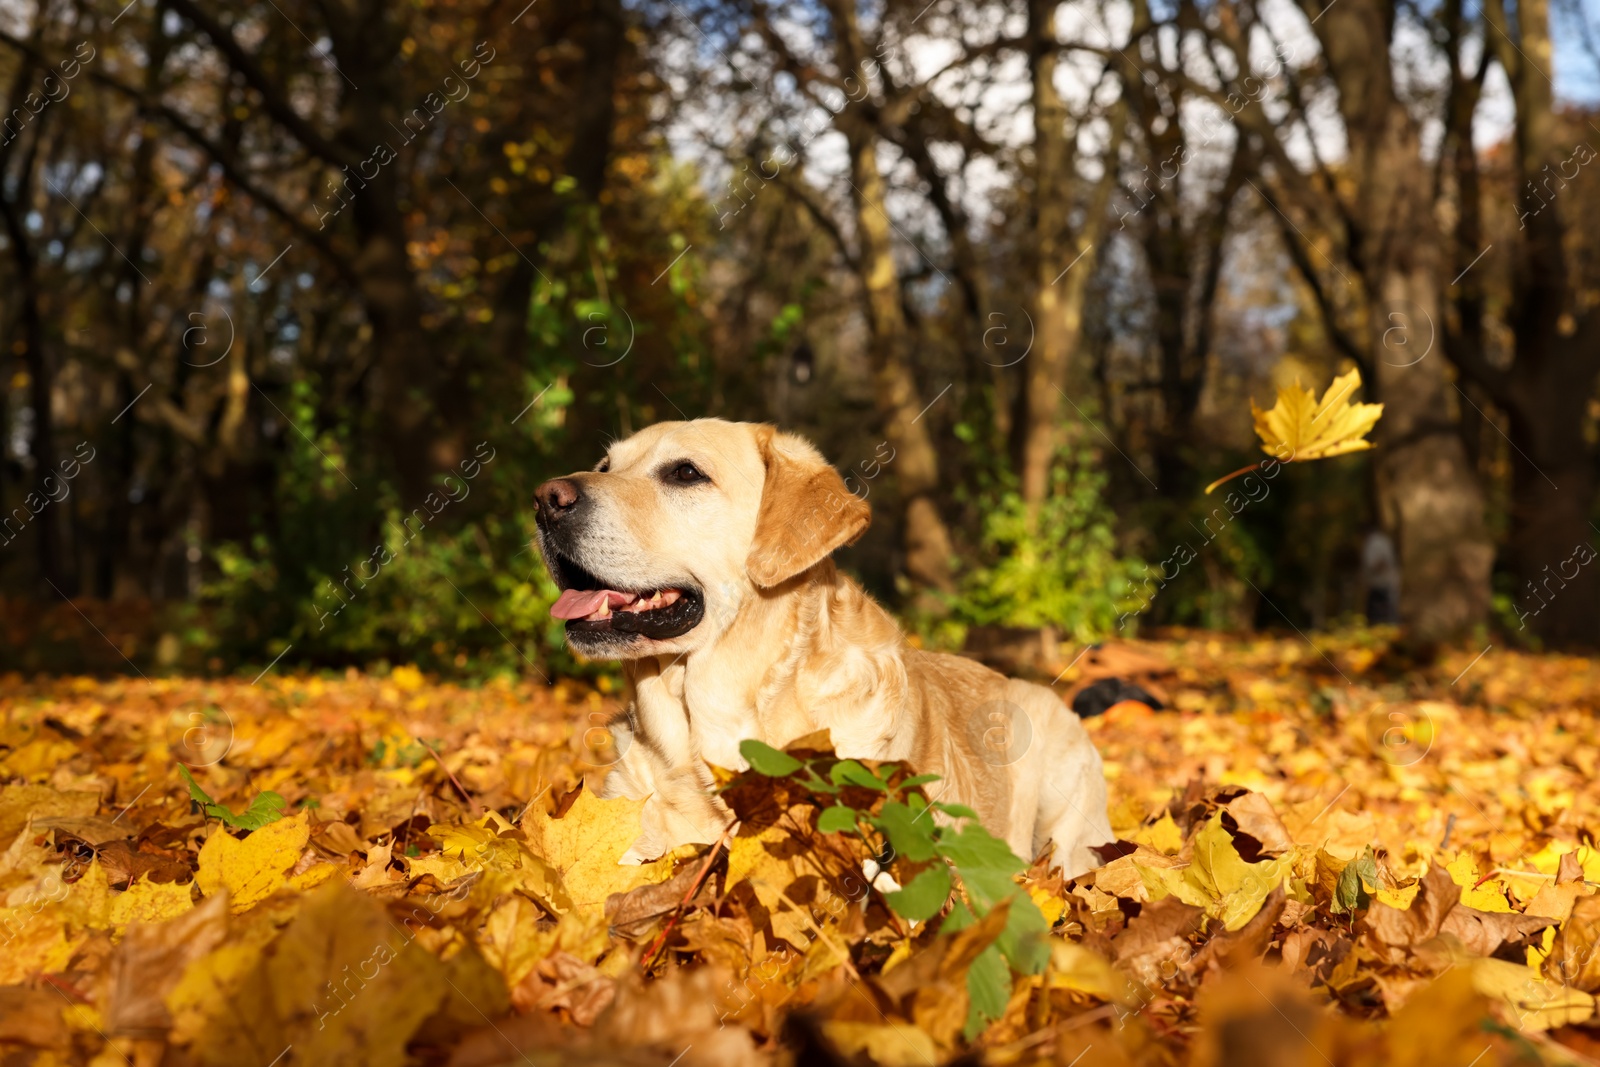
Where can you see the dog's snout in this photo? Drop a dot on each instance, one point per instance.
(556, 497)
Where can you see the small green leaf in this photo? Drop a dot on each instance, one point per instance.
(196, 794)
(764, 759)
(923, 896)
(988, 990)
(956, 811)
(266, 808)
(986, 886)
(1025, 942)
(918, 779)
(1351, 894)
(977, 849)
(838, 820)
(818, 784)
(849, 772)
(908, 836)
(959, 919)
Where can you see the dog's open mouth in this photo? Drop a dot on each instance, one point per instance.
(590, 605)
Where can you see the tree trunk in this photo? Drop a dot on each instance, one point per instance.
(1553, 484)
(1550, 382)
(1428, 493)
(47, 523)
(1062, 264)
(410, 384)
(925, 539)
(1557, 593)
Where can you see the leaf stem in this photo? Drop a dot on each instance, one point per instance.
(694, 887)
(453, 780)
(1230, 477)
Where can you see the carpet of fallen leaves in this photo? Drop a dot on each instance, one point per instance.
(1328, 855)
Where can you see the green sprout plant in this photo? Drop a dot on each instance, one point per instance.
(959, 869)
(267, 807)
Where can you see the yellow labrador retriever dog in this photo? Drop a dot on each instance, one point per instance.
(698, 553)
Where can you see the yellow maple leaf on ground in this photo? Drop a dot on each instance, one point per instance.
(1081, 970)
(19, 803)
(1490, 895)
(584, 848)
(775, 866)
(501, 852)
(1162, 835)
(887, 1044)
(36, 941)
(1218, 879)
(515, 937)
(150, 902)
(341, 984)
(253, 869)
(1301, 427)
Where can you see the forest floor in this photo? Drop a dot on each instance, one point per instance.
(1327, 854)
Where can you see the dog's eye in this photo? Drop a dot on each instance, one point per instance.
(685, 474)
(605, 465)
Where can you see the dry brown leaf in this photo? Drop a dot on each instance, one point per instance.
(151, 959)
(1574, 958)
(636, 907)
(1483, 933)
(20, 803)
(1253, 814)
(32, 1018)
(1422, 921)
(562, 980)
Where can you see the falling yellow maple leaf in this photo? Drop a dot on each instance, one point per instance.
(1301, 427)
(584, 848)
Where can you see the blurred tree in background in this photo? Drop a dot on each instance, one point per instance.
(301, 299)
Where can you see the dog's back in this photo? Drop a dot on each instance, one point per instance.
(1013, 752)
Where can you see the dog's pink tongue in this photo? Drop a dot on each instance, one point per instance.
(580, 603)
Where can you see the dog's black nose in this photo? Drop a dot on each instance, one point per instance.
(556, 497)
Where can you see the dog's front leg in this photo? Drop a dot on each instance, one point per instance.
(656, 766)
(680, 807)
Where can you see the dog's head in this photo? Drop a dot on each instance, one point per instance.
(659, 546)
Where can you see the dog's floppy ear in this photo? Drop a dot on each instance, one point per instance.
(806, 511)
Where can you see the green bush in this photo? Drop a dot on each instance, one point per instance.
(1058, 567)
(474, 599)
